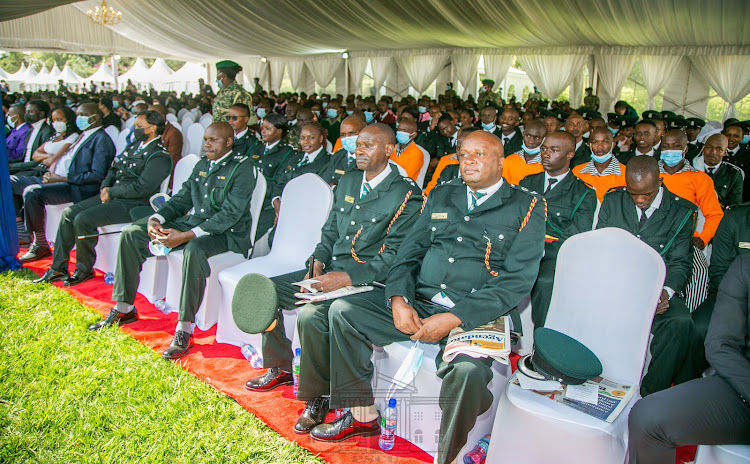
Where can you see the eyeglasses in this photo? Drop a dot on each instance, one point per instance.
(234, 118)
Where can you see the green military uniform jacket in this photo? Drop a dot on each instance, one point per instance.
(514, 144)
(372, 215)
(230, 95)
(626, 156)
(728, 184)
(333, 128)
(449, 173)
(591, 102)
(582, 155)
(292, 137)
(485, 98)
(445, 252)
(570, 208)
(427, 139)
(669, 230)
(137, 174)
(694, 149)
(243, 144)
(271, 163)
(220, 198)
(338, 166)
(293, 169)
(731, 240)
(444, 145)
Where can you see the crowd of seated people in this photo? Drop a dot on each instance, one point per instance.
(452, 176)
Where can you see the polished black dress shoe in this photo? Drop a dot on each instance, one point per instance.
(35, 253)
(78, 277)
(115, 317)
(345, 427)
(51, 275)
(181, 344)
(275, 377)
(314, 414)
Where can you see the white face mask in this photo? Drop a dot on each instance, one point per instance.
(408, 370)
(59, 126)
(11, 121)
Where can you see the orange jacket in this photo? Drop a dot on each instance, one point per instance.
(697, 187)
(337, 146)
(516, 168)
(444, 161)
(601, 184)
(411, 159)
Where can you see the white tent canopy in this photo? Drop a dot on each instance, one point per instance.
(186, 78)
(68, 76)
(54, 72)
(103, 74)
(137, 74)
(159, 73)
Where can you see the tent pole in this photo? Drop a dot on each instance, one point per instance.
(208, 75)
(115, 73)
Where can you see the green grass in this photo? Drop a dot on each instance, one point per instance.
(69, 395)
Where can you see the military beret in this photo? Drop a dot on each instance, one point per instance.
(651, 114)
(668, 115)
(589, 88)
(488, 81)
(226, 64)
(254, 304)
(559, 357)
(695, 122)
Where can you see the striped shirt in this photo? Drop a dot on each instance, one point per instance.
(612, 169)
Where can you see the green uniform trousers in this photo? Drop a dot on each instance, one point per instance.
(83, 218)
(133, 252)
(701, 317)
(670, 360)
(541, 294)
(351, 326)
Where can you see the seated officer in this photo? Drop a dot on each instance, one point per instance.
(133, 178)
(665, 222)
(510, 134)
(372, 213)
(693, 127)
(219, 192)
(526, 161)
(471, 256)
(726, 176)
(576, 126)
(488, 120)
(237, 117)
(570, 210)
(451, 170)
(643, 142)
(603, 172)
(408, 154)
(344, 160)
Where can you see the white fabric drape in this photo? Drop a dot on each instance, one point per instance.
(323, 67)
(357, 67)
(421, 70)
(294, 68)
(728, 76)
(551, 73)
(613, 71)
(496, 66)
(465, 67)
(381, 68)
(657, 70)
(576, 89)
(277, 66)
(255, 68)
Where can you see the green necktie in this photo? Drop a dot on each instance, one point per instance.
(365, 190)
(304, 161)
(475, 196)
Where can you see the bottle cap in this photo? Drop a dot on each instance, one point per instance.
(297, 351)
(392, 403)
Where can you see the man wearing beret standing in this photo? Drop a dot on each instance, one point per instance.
(487, 96)
(230, 92)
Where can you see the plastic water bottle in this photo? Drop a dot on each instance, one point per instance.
(479, 453)
(388, 426)
(295, 370)
(252, 355)
(109, 278)
(163, 306)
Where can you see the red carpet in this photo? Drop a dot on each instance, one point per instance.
(223, 367)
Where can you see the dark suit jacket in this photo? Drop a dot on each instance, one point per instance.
(44, 134)
(90, 164)
(136, 175)
(514, 144)
(338, 166)
(582, 156)
(32, 168)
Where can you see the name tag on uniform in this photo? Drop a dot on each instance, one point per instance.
(255, 157)
(349, 199)
(745, 245)
(439, 215)
(221, 177)
(339, 171)
(202, 174)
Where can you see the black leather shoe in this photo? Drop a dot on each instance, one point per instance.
(35, 253)
(275, 377)
(50, 276)
(314, 414)
(345, 427)
(115, 317)
(181, 344)
(78, 277)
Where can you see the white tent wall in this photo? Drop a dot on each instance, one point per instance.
(687, 91)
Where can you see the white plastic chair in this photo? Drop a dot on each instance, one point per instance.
(723, 454)
(113, 132)
(129, 123)
(208, 314)
(400, 169)
(176, 126)
(172, 118)
(612, 317)
(195, 138)
(181, 113)
(306, 196)
(52, 221)
(187, 121)
(206, 120)
(425, 165)
(122, 141)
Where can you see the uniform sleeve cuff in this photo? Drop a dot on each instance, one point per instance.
(158, 217)
(198, 232)
(670, 292)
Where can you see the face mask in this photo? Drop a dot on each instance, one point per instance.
(324, 105)
(349, 143)
(614, 131)
(671, 157)
(488, 127)
(403, 137)
(82, 122)
(422, 109)
(746, 138)
(68, 102)
(369, 115)
(59, 126)
(261, 112)
(408, 370)
(157, 248)
(219, 84)
(28, 117)
(139, 134)
(601, 159)
(10, 120)
(531, 151)
(349, 112)
(332, 113)
(115, 104)
(22, 101)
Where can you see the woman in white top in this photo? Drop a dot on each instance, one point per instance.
(66, 132)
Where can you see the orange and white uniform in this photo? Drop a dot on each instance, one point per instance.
(442, 163)
(612, 176)
(411, 159)
(516, 167)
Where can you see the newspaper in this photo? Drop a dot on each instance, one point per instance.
(613, 397)
(321, 296)
(489, 340)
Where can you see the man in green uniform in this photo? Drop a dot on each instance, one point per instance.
(576, 126)
(372, 213)
(665, 222)
(332, 122)
(219, 192)
(470, 258)
(244, 139)
(230, 92)
(590, 101)
(726, 176)
(345, 159)
(292, 137)
(643, 142)
(570, 210)
(134, 176)
(692, 129)
(487, 96)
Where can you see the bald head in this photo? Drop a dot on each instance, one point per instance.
(536, 125)
(375, 144)
(564, 140)
(675, 138)
(217, 140)
(381, 132)
(351, 126)
(642, 168)
(304, 114)
(481, 160)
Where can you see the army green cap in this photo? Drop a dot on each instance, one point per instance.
(562, 115)
(651, 114)
(628, 121)
(677, 123)
(254, 304)
(589, 114)
(668, 115)
(695, 122)
(614, 118)
(488, 81)
(226, 64)
(559, 357)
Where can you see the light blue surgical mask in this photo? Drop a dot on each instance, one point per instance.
(82, 122)
(349, 143)
(368, 116)
(614, 131)
(408, 370)
(601, 159)
(531, 151)
(403, 137)
(115, 104)
(332, 113)
(157, 248)
(746, 138)
(324, 105)
(219, 84)
(261, 112)
(422, 109)
(671, 157)
(68, 102)
(11, 121)
(489, 127)
(349, 112)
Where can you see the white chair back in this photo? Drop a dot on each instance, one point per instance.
(129, 123)
(613, 315)
(112, 132)
(122, 141)
(256, 202)
(195, 138)
(172, 118)
(186, 123)
(181, 113)
(425, 165)
(182, 171)
(401, 170)
(206, 120)
(176, 125)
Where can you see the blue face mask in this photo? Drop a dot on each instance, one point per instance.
(369, 115)
(332, 113)
(422, 109)
(157, 248)
(68, 102)
(261, 112)
(349, 143)
(601, 159)
(488, 127)
(324, 105)
(671, 157)
(82, 122)
(316, 113)
(219, 84)
(614, 131)
(115, 104)
(531, 151)
(403, 137)
(349, 112)
(746, 139)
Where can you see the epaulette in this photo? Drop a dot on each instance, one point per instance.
(240, 158)
(615, 189)
(585, 183)
(524, 190)
(683, 202)
(737, 168)
(740, 205)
